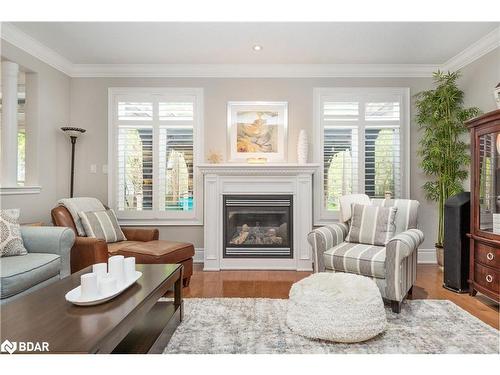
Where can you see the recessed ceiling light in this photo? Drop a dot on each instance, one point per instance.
(257, 47)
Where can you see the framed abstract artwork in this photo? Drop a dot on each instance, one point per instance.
(257, 130)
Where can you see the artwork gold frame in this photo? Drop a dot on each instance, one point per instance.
(257, 130)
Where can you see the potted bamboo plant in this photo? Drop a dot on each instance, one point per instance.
(445, 155)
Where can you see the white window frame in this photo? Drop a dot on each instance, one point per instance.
(31, 176)
(156, 216)
(323, 216)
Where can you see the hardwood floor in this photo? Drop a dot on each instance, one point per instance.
(429, 286)
(276, 284)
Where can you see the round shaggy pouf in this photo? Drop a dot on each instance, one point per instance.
(338, 307)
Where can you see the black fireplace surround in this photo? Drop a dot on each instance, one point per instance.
(258, 226)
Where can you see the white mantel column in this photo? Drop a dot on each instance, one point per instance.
(10, 72)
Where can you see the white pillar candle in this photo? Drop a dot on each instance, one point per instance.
(100, 269)
(88, 286)
(107, 285)
(129, 267)
(115, 267)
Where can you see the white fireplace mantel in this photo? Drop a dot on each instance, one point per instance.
(232, 178)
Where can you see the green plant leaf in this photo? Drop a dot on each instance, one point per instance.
(444, 155)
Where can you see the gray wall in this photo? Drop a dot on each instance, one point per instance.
(83, 101)
(89, 110)
(53, 147)
(479, 80)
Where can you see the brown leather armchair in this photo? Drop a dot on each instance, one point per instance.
(143, 244)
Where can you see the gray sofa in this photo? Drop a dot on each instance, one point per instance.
(47, 261)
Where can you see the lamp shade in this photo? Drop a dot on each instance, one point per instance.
(72, 131)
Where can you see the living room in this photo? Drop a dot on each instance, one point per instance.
(315, 187)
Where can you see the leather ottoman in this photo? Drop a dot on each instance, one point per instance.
(157, 252)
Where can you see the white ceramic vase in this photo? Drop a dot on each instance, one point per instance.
(302, 147)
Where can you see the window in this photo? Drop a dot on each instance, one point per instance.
(21, 127)
(155, 142)
(362, 135)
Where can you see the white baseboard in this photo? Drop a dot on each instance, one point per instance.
(425, 256)
(198, 255)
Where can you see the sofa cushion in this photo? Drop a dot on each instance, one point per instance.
(407, 215)
(116, 246)
(102, 225)
(158, 251)
(372, 225)
(75, 205)
(11, 242)
(346, 202)
(19, 273)
(362, 259)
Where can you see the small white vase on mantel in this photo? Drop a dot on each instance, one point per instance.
(302, 147)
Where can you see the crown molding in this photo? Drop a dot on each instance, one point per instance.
(253, 70)
(21, 40)
(30, 45)
(477, 49)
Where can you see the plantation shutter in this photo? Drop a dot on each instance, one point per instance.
(176, 155)
(340, 150)
(135, 155)
(361, 137)
(155, 142)
(382, 166)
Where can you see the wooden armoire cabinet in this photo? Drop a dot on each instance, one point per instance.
(484, 272)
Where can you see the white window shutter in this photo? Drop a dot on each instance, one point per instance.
(176, 170)
(156, 141)
(361, 136)
(135, 168)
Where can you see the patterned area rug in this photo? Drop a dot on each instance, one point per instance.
(257, 325)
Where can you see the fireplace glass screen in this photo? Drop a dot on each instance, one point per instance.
(258, 226)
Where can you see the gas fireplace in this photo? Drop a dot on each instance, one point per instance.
(258, 226)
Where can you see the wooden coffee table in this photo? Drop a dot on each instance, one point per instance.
(133, 322)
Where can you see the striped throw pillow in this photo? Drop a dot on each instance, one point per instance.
(372, 225)
(102, 225)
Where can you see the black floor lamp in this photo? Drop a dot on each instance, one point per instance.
(73, 134)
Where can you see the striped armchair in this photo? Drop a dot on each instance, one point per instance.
(393, 267)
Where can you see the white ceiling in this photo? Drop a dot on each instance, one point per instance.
(231, 43)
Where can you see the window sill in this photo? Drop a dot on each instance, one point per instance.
(20, 190)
